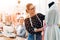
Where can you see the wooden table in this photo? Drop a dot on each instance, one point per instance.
(6, 38)
(2, 37)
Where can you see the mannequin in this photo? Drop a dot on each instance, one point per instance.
(52, 30)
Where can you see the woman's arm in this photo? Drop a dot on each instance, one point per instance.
(28, 27)
(41, 29)
(23, 32)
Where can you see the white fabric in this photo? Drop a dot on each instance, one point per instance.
(7, 31)
(52, 33)
(52, 30)
(52, 16)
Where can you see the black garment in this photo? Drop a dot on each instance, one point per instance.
(35, 22)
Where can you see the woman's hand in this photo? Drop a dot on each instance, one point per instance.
(35, 29)
(39, 29)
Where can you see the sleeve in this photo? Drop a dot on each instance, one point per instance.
(23, 32)
(28, 27)
(41, 16)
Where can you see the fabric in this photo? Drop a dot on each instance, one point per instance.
(52, 33)
(8, 31)
(52, 17)
(52, 30)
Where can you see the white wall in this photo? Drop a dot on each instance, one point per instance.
(10, 6)
(7, 5)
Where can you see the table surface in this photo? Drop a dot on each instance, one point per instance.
(6, 38)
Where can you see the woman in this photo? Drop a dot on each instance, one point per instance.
(52, 30)
(21, 31)
(34, 23)
(8, 29)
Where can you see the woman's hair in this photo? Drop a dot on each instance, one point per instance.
(8, 18)
(28, 6)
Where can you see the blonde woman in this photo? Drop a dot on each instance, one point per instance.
(34, 23)
(8, 29)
